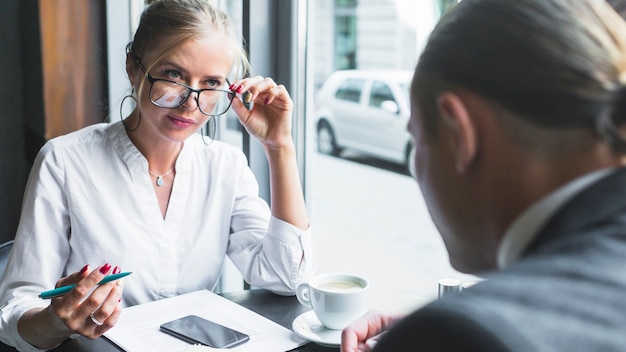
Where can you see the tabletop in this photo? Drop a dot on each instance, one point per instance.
(280, 309)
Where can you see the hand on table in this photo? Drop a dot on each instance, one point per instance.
(355, 336)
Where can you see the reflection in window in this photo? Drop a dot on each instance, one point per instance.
(380, 92)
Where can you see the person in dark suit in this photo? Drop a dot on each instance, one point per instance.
(519, 118)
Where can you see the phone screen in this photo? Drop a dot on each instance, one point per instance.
(195, 329)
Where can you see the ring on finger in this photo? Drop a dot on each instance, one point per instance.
(95, 321)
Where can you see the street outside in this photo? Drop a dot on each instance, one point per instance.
(373, 221)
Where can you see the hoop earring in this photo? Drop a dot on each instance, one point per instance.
(131, 96)
(210, 131)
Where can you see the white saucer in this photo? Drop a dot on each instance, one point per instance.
(308, 327)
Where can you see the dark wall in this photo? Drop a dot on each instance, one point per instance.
(75, 52)
(21, 105)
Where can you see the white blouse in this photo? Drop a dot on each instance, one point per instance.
(90, 200)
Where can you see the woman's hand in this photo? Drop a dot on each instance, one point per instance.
(85, 312)
(88, 309)
(269, 121)
(354, 338)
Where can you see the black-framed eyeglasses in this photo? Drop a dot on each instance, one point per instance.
(171, 95)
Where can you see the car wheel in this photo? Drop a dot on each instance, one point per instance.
(326, 143)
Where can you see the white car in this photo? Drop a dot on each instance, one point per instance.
(366, 111)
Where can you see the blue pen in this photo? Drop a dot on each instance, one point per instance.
(65, 289)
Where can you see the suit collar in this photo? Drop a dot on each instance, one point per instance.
(598, 202)
(527, 225)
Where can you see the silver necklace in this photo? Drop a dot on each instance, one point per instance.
(159, 178)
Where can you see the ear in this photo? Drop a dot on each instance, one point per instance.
(455, 115)
(131, 69)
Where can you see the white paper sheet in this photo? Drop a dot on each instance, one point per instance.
(137, 330)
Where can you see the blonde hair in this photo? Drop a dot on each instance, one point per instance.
(167, 24)
(553, 63)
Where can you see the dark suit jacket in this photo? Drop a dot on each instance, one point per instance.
(567, 292)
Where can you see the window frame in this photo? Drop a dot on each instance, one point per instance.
(276, 35)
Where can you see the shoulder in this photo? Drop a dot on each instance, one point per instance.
(441, 327)
(77, 140)
(85, 135)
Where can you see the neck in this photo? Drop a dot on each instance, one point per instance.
(160, 153)
(161, 162)
(527, 180)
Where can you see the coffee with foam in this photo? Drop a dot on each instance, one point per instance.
(340, 286)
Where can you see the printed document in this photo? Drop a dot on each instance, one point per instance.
(137, 329)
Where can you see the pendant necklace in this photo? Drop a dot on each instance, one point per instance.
(159, 178)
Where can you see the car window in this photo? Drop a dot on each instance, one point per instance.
(380, 92)
(350, 90)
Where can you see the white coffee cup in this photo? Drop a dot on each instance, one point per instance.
(337, 299)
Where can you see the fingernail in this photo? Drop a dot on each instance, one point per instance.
(238, 89)
(116, 270)
(247, 97)
(231, 86)
(84, 269)
(105, 268)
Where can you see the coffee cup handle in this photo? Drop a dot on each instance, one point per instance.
(303, 295)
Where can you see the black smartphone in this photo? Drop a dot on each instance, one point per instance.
(195, 329)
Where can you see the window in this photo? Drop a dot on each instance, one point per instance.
(366, 210)
(350, 90)
(228, 128)
(380, 92)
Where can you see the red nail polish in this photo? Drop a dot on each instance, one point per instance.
(231, 86)
(116, 270)
(105, 268)
(84, 269)
(239, 89)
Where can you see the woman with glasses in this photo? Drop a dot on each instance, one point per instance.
(150, 195)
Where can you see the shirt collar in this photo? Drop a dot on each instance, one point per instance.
(133, 158)
(527, 225)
